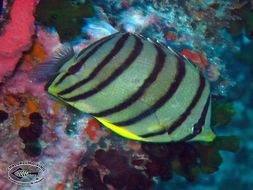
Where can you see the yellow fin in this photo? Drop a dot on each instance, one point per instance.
(120, 130)
(206, 136)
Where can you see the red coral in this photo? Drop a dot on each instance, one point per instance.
(92, 127)
(17, 35)
(197, 58)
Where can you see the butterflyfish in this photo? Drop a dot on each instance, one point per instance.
(137, 87)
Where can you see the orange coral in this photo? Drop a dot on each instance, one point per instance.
(60, 186)
(9, 99)
(21, 106)
(172, 36)
(36, 55)
(31, 106)
(134, 145)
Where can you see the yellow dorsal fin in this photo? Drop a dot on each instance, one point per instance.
(120, 130)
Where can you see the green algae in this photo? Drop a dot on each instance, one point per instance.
(210, 158)
(222, 113)
(188, 159)
(65, 15)
(245, 22)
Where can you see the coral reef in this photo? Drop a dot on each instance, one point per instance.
(36, 133)
(35, 126)
(16, 37)
(120, 176)
(197, 58)
(30, 135)
(94, 130)
(136, 169)
(185, 25)
(65, 15)
(36, 54)
(241, 30)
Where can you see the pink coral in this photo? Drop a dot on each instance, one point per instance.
(17, 35)
(49, 40)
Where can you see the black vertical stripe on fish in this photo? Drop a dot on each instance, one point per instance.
(118, 46)
(159, 103)
(189, 109)
(76, 67)
(102, 40)
(133, 55)
(198, 126)
(158, 66)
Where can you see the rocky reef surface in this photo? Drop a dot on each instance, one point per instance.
(76, 150)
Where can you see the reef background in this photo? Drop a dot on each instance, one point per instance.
(79, 153)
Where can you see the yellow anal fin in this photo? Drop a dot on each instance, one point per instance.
(121, 131)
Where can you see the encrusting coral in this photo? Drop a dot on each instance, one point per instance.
(16, 35)
(135, 169)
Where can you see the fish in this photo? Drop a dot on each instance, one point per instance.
(137, 87)
(20, 173)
